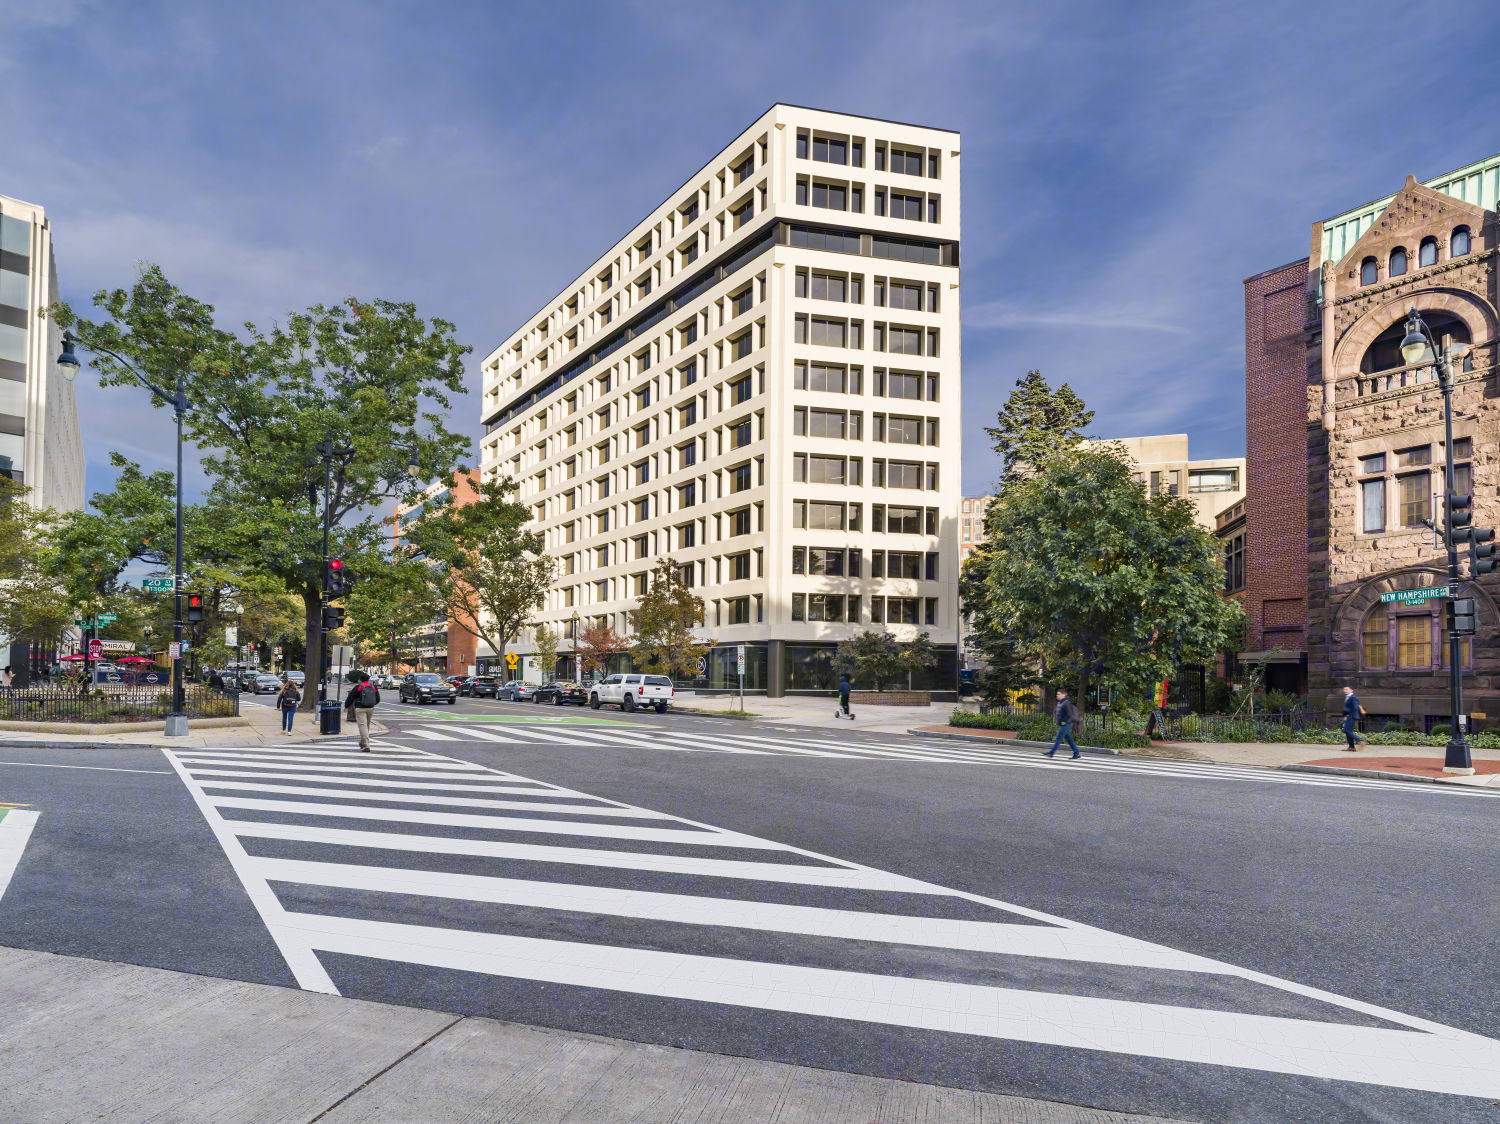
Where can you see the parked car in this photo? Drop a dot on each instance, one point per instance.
(477, 685)
(560, 693)
(516, 691)
(266, 685)
(630, 691)
(456, 681)
(426, 687)
(388, 682)
(292, 676)
(245, 680)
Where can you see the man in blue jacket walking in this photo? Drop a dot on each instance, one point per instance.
(1067, 714)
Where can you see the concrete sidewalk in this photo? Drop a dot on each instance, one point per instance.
(86, 1040)
(259, 725)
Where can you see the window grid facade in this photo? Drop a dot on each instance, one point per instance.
(730, 422)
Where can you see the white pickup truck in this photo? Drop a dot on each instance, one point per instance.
(630, 691)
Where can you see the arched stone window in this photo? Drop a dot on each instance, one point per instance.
(1427, 253)
(1385, 353)
(1459, 246)
(1376, 640)
(1398, 262)
(1408, 638)
(1369, 272)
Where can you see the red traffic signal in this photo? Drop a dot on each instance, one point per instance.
(335, 565)
(195, 608)
(334, 579)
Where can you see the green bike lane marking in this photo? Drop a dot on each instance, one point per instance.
(547, 719)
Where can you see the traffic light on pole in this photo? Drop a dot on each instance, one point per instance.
(1458, 516)
(333, 577)
(1481, 552)
(195, 608)
(333, 617)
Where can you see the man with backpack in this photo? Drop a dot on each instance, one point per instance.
(363, 698)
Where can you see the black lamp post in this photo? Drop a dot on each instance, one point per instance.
(177, 723)
(1419, 346)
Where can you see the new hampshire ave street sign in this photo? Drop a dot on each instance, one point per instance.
(1415, 596)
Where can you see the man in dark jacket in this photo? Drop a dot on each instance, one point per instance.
(1067, 714)
(363, 698)
(1352, 714)
(843, 711)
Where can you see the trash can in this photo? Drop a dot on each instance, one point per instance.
(328, 716)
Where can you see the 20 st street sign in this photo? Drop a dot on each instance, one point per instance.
(158, 585)
(1415, 596)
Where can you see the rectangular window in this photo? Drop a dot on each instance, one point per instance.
(799, 560)
(1414, 641)
(643, 509)
(1372, 464)
(830, 333)
(826, 470)
(903, 431)
(825, 562)
(802, 146)
(906, 295)
(799, 606)
(687, 454)
(831, 197)
(1372, 495)
(906, 206)
(743, 169)
(907, 162)
(741, 346)
(903, 474)
(1416, 500)
(739, 522)
(903, 564)
(827, 377)
(825, 516)
(740, 302)
(687, 536)
(741, 390)
(740, 434)
(904, 341)
(739, 567)
(1418, 455)
(903, 610)
(743, 213)
(1463, 448)
(1213, 480)
(738, 609)
(829, 287)
(903, 520)
(739, 478)
(825, 607)
(830, 151)
(687, 495)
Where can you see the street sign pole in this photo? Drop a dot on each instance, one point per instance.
(740, 666)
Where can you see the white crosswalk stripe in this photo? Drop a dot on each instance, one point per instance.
(340, 863)
(928, 750)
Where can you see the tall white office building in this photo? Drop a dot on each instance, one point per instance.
(40, 442)
(761, 381)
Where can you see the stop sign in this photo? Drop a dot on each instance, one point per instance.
(96, 649)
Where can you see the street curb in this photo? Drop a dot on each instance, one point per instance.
(1007, 741)
(1381, 774)
(716, 714)
(110, 727)
(77, 745)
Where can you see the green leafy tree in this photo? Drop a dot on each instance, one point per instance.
(664, 620)
(371, 377)
(1095, 580)
(491, 573)
(881, 659)
(32, 605)
(1005, 668)
(391, 599)
(546, 651)
(1036, 424)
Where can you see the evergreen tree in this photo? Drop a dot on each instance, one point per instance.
(1036, 424)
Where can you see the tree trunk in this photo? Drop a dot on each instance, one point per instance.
(312, 602)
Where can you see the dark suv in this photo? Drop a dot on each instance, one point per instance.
(426, 687)
(478, 685)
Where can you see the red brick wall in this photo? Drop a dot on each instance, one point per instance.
(1276, 458)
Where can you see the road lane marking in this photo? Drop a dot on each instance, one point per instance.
(15, 832)
(94, 768)
(446, 801)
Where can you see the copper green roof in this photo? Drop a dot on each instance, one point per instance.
(1478, 183)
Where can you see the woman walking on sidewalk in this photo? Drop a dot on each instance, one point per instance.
(287, 700)
(1353, 712)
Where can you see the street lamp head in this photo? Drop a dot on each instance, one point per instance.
(68, 360)
(1415, 348)
(413, 469)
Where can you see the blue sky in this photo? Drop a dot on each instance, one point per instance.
(1126, 165)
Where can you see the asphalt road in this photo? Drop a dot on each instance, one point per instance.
(891, 906)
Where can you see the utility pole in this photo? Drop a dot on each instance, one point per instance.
(333, 568)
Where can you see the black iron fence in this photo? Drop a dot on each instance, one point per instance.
(113, 703)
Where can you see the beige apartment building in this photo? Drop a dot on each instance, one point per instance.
(761, 380)
(971, 523)
(1162, 465)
